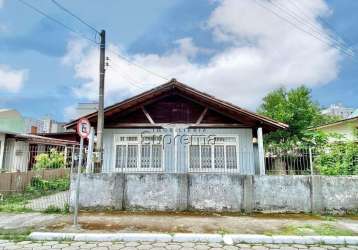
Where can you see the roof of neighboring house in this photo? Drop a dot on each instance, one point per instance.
(9, 110)
(67, 135)
(354, 114)
(39, 139)
(264, 121)
(337, 123)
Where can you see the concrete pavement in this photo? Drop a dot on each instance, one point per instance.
(134, 245)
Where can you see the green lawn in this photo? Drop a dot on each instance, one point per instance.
(324, 229)
(17, 202)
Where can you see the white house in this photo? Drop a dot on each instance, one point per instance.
(176, 128)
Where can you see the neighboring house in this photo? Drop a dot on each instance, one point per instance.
(344, 128)
(338, 110)
(86, 108)
(176, 128)
(354, 114)
(12, 121)
(33, 126)
(52, 126)
(18, 151)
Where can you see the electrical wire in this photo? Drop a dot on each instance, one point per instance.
(83, 36)
(311, 25)
(75, 16)
(300, 7)
(126, 80)
(138, 65)
(119, 67)
(55, 20)
(299, 28)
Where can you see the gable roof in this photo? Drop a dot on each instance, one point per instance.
(340, 122)
(267, 123)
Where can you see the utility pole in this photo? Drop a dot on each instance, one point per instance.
(100, 120)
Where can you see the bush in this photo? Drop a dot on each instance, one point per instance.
(53, 159)
(40, 185)
(52, 210)
(338, 159)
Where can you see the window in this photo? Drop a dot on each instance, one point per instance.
(219, 155)
(138, 153)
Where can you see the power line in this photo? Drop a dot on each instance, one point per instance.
(119, 67)
(326, 39)
(313, 27)
(138, 65)
(300, 6)
(82, 35)
(75, 16)
(126, 80)
(55, 20)
(299, 28)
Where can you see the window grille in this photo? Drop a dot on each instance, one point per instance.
(218, 154)
(136, 153)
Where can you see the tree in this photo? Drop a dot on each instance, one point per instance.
(295, 108)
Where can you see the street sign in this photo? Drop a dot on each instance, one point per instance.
(83, 128)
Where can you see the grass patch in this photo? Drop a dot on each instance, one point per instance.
(323, 230)
(38, 187)
(223, 231)
(56, 210)
(15, 234)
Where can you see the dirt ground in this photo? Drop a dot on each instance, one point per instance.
(180, 222)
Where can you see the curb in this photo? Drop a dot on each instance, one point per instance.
(181, 237)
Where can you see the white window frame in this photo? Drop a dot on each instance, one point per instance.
(212, 145)
(139, 144)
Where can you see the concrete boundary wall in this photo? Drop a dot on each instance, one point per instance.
(217, 192)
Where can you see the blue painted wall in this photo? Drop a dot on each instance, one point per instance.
(245, 153)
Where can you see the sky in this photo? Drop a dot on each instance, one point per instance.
(236, 50)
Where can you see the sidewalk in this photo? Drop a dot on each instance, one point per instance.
(204, 223)
(134, 245)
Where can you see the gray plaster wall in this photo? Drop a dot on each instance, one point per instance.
(212, 192)
(98, 191)
(282, 193)
(162, 192)
(217, 192)
(339, 193)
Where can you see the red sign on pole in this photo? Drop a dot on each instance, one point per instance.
(83, 128)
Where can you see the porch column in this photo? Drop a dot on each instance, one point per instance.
(261, 153)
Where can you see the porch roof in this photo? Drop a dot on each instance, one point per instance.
(38, 139)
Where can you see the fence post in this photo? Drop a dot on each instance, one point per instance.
(65, 157)
(311, 160)
(75, 219)
(89, 164)
(72, 159)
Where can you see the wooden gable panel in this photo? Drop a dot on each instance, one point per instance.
(174, 109)
(213, 117)
(136, 116)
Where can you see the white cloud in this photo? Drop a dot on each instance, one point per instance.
(12, 80)
(262, 52)
(70, 112)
